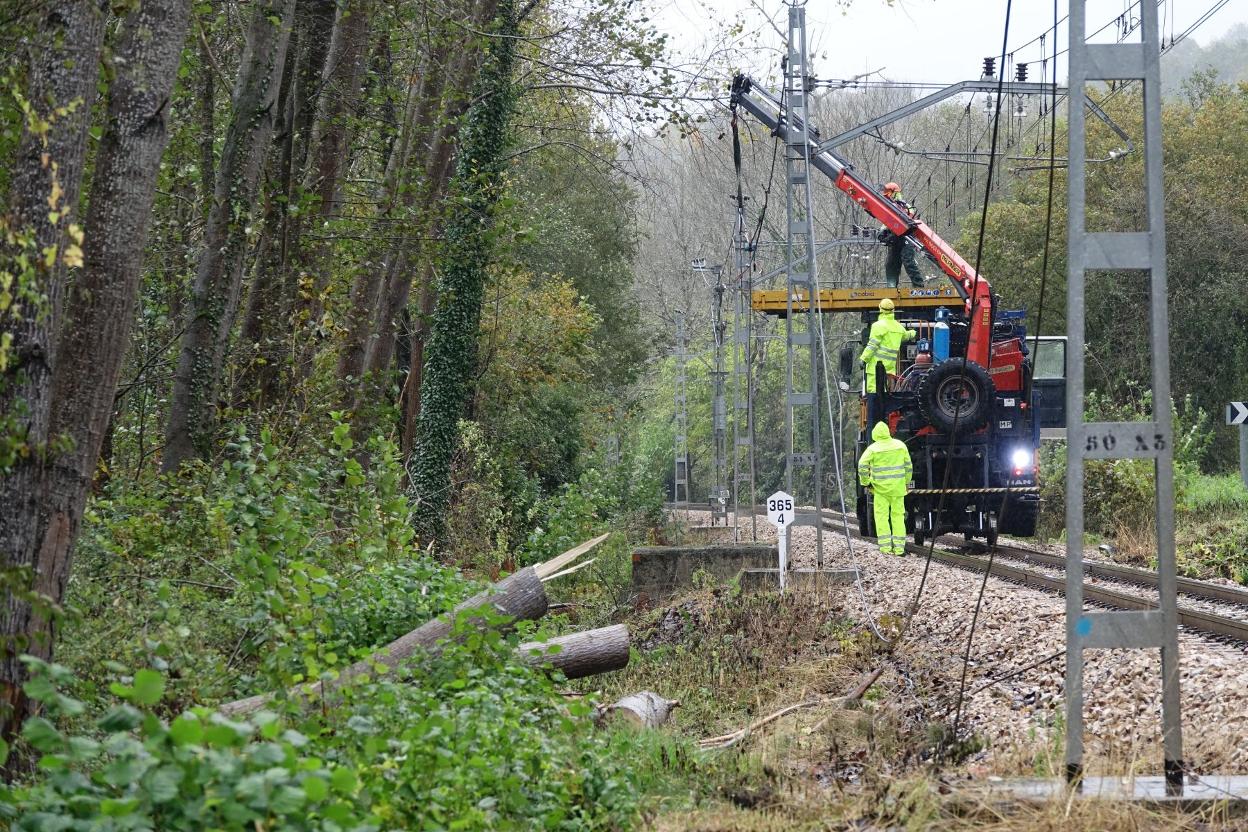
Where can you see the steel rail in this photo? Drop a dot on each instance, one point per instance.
(1115, 572)
(1194, 619)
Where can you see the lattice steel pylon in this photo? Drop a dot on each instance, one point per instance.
(1115, 251)
(802, 349)
(719, 403)
(743, 480)
(680, 478)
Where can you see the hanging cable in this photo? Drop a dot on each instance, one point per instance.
(979, 250)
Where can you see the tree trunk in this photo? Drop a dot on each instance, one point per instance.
(100, 309)
(451, 353)
(441, 155)
(519, 597)
(263, 327)
(339, 97)
(62, 71)
(430, 131)
(411, 388)
(215, 295)
(577, 655)
(206, 104)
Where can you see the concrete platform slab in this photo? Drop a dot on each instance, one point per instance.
(662, 571)
(1197, 792)
(759, 580)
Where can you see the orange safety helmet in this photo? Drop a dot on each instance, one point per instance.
(892, 188)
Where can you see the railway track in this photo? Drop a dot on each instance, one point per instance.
(1202, 621)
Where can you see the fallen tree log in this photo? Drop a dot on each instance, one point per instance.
(645, 709)
(519, 597)
(577, 655)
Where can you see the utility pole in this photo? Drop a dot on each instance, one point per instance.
(680, 479)
(743, 377)
(1117, 251)
(718, 498)
(801, 377)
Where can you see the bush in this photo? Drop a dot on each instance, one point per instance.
(256, 574)
(469, 739)
(201, 771)
(1120, 494)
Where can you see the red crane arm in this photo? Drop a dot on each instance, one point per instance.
(975, 290)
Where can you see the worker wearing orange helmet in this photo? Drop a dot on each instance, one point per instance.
(899, 251)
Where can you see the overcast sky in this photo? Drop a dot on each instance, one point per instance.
(916, 40)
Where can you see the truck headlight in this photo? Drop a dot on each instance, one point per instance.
(1020, 459)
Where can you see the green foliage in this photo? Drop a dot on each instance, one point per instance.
(1119, 494)
(269, 569)
(135, 770)
(468, 740)
(1206, 163)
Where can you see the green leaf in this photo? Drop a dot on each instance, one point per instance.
(315, 788)
(163, 784)
(118, 808)
(287, 800)
(149, 687)
(42, 734)
(120, 718)
(343, 780)
(186, 730)
(41, 689)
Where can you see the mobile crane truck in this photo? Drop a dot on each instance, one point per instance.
(962, 400)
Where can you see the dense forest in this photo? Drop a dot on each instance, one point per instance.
(317, 316)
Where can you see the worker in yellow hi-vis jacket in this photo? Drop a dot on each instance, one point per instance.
(885, 470)
(883, 349)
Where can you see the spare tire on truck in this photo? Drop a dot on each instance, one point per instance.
(956, 397)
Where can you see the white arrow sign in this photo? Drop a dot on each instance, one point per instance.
(1237, 413)
(780, 512)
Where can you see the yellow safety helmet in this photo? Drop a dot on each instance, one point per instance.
(886, 305)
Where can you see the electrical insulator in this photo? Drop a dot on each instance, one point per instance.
(990, 67)
(1020, 73)
(1020, 110)
(988, 105)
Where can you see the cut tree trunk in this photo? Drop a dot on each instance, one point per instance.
(520, 597)
(581, 654)
(218, 280)
(645, 709)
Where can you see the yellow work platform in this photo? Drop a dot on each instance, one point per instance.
(773, 301)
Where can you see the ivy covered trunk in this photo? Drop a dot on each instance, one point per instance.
(451, 352)
(38, 244)
(218, 280)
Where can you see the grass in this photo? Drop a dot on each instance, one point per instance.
(732, 658)
(1211, 523)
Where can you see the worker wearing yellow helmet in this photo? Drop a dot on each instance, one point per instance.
(881, 354)
(900, 252)
(884, 471)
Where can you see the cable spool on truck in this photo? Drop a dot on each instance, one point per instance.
(963, 398)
